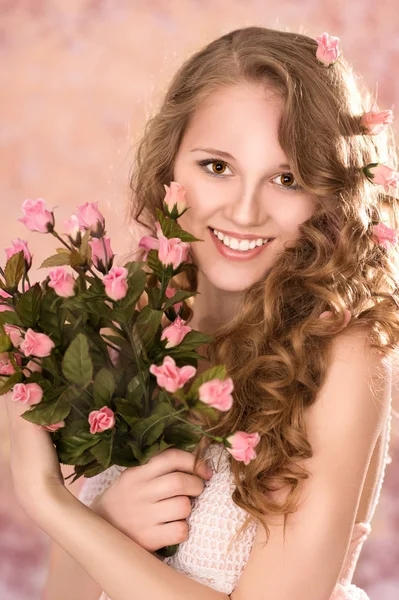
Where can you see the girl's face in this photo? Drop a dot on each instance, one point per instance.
(238, 180)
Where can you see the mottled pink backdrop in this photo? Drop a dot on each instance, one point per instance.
(78, 81)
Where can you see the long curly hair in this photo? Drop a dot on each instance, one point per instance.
(335, 264)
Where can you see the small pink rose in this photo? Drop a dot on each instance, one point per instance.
(32, 367)
(37, 344)
(243, 445)
(382, 175)
(91, 218)
(62, 282)
(15, 334)
(374, 121)
(6, 307)
(217, 393)
(4, 294)
(175, 195)
(115, 283)
(327, 51)
(169, 293)
(6, 367)
(53, 427)
(384, 235)
(102, 419)
(27, 393)
(17, 246)
(172, 251)
(175, 333)
(36, 216)
(73, 229)
(101, 261)
(171, 377)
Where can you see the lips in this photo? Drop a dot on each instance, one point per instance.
(239, 236)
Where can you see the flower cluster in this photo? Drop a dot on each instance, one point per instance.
(94, 392)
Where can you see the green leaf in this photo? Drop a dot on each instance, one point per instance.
(136, 450)
(149, 430)
(71, 447)
(28, 306)
(103, 388)
(215, 372)
(147, 324)
(52, 315)
(14, 269)
(49, 413)
(5, 343)
(77, 365)
(103, 450)
(136, 285)
(9, 317)
(178, 297)
(123, 344)
(171, 229)
(10, 382)
(194, 339)
(57, 260)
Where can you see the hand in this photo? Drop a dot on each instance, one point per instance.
(35, 467)
(150, 503)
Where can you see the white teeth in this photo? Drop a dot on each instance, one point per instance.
(242, 245)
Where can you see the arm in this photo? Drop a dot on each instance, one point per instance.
(66, 578)
(120, 566)
(342, 426)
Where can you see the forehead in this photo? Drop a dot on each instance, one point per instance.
(236, 113)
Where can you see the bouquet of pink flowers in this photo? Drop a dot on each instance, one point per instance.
(116, 398)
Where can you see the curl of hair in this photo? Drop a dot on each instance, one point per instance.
(335, 264)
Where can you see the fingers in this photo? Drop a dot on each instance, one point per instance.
(172, 509)
(174, 484)
(175, 459)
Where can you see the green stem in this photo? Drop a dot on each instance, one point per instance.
(212, 437)
(160, 419)
(146, 396)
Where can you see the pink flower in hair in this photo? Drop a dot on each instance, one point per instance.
(327, 52)
(382, 175)
(243, 445)
(374, 121)
(384, 235)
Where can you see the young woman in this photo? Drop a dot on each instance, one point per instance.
(268, 133)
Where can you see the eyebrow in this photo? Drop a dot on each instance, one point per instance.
(230, 156)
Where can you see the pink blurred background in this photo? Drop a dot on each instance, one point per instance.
(78, 81)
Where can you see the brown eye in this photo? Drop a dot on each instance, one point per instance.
(220, 166)
(287, 179)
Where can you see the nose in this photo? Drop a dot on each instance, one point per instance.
(245, 207)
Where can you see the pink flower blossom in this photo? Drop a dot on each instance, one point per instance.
(32, 367)
(243, 445)
(170, 250)
(4, 294)
(36, 216)
(62, 282)
(175, 195)
(36, 344)
(15, 334)
(101, 262)
(27, 393)
(348, 316)
(384, 235)
(171, 377)
(115, 283)
(217, 393)
(6, 366)
(90, 217)
(102, 419)
(374, 121)
(382, 175)
(6, 307)
(53, 427)
(327, 51)
(175, 333)
(73, 229)
(17, 246)
(169, 293)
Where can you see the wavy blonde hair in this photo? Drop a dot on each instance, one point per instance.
(334, 265)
